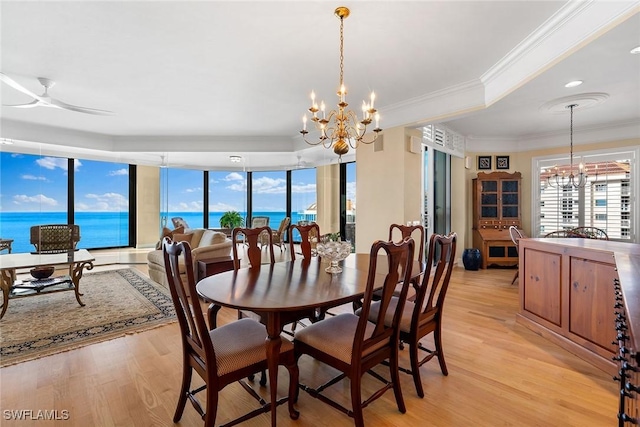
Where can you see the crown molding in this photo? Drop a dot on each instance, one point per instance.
(437, 106)
(589, 135)
(576, 24)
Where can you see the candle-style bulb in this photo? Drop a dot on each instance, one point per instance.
(304, 122)
(373, 97)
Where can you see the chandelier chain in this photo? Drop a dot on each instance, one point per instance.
(341, 52)
(570, 181)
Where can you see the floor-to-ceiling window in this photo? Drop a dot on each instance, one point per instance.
(269, 196)
(181, 196)
(33, 191)
(303, 197)
(227, 192)
(38, 190)
(348, 202)
(101, 203)
(605, 201)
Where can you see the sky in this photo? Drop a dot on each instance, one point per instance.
(33, 183)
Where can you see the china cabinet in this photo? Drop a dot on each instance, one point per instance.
(496, 207)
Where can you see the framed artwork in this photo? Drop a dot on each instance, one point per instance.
(502, 162)
(484, 162)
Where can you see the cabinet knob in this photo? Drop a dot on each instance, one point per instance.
(630, 387)
(627, 419)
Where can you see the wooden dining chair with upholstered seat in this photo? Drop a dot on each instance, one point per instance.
(354, 345)
(253, 238)
(424, 315)
(307, 235)
(218, 355)
(399, 232)
(516, 235)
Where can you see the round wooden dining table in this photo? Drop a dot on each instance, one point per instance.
(284, 292)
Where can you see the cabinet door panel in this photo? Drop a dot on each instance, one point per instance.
(591, 290)
(509, 186)
(542, 285)
(489, 186)
(489, 199)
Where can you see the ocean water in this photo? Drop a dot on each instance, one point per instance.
(104, 229)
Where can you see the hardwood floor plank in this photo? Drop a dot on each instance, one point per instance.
(500, 374)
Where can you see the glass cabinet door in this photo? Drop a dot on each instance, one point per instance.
(510, 199)
(488, 199)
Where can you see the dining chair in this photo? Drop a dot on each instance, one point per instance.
(252, 239)
(309, 235)
(562, 234)
(217, 355)
(423, 316)
(398, 232)
(591, 233)
(352, 344)
(516, 235)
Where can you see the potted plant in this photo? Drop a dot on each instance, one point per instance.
(231, 219)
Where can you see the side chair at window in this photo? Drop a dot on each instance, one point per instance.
(353, 344)
(220, 356)
(424, 315)
(278, 235)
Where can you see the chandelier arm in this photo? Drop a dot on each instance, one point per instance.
(318, 142)
(375, 136)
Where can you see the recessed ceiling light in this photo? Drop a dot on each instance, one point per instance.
(635, 50)
(235, 159)
(574, 83)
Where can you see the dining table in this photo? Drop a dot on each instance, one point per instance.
(284, 292)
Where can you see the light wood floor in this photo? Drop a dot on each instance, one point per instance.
(500, 374)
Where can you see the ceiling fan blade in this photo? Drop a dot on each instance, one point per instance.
(17, 86)
(65, 106)
(34, 103)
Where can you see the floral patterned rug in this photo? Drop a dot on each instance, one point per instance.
(118, 302)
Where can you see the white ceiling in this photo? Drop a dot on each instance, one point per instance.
(199, 81)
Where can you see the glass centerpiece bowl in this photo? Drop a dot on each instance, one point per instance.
(334, 252)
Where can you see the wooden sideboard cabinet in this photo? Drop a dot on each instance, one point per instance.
(496, 207)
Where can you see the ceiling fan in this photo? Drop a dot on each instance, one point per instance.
(301, 163)
(45, 100)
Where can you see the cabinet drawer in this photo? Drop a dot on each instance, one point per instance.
(489, 224)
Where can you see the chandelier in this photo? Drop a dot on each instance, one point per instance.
(569, 181)
(340, 129)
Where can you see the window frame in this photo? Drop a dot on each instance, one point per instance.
(631, 152)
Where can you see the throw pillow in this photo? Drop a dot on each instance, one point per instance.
(207, 238)
(169, 233)
(182, 238)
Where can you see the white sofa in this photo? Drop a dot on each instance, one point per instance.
(204, 244)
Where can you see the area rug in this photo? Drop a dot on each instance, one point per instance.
(118, 302)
